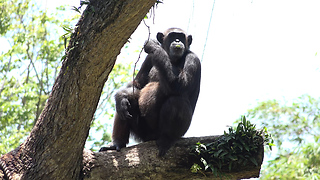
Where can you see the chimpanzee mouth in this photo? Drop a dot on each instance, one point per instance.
(177, 47)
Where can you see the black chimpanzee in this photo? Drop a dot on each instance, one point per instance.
(159, 103)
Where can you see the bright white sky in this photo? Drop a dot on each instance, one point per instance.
(256, 50)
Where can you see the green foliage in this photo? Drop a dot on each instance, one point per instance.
(300, 164)
(5, 19)
(295, 122)
(236, 148)
(28, 66)
(295, 127)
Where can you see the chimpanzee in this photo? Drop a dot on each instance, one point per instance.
(159, 103)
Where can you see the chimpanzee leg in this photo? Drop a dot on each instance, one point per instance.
(175, 118)
(120, 134)
(125, 118)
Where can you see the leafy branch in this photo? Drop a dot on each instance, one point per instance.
(234, 149)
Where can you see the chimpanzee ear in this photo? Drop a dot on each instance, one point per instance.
(160, 37)
(189, 40)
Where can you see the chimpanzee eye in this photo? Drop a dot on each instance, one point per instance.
(177, 36)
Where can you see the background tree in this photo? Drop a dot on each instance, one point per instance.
(28, 67)
(295, 127)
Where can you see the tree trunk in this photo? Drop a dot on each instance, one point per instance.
(54, 148)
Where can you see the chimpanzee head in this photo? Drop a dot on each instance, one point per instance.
(175, 41)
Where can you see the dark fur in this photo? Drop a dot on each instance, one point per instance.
(165, 94)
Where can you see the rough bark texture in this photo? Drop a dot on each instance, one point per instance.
(141, 162)
(54, 148)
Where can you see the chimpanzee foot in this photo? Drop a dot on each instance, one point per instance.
(113, 146)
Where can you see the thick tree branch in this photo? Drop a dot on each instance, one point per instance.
(142, 162)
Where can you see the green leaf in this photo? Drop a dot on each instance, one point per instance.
(216, 154)
(254, 161)
(76, 9)
(230, 165)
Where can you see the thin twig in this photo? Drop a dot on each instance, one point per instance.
(135, 64)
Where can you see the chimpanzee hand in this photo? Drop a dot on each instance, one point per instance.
(123, 108)
(151, 45)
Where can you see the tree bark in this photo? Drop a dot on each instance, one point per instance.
(141, 162)
(54, 148)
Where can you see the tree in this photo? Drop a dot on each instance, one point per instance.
(295, 128)
(54, 148)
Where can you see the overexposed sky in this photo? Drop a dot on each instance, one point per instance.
(256, 50)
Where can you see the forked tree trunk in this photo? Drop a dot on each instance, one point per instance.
(54, 148)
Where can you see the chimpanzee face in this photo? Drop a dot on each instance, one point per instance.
(175, 42)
